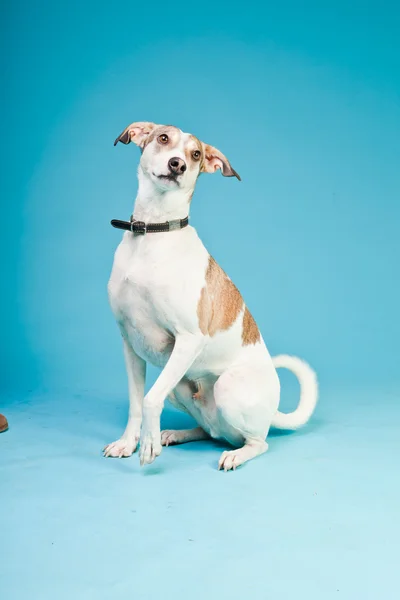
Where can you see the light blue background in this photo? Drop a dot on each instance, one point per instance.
(303, 98)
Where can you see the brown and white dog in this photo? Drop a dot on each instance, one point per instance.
(177, 309)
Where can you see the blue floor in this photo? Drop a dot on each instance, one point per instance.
(317, 517)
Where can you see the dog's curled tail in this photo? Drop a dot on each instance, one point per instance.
(308, 392)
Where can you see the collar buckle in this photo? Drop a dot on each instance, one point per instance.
(175, 224)
(138, 227)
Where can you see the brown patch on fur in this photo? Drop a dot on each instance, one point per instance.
(250, 331)
(220, 301)
(197, 142)
(190, 147)
(169, 130)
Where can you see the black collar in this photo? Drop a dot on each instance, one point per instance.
(142, 228)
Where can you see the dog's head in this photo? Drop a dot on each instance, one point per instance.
(173, 159)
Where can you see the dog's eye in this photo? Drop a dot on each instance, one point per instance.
(196, 154)
(163, 138)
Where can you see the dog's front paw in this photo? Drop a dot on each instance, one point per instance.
(150, 447)
(121, 448)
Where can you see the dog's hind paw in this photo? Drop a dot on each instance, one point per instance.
(121, 448)
(170, 437)
(231, 459)
(180, 436)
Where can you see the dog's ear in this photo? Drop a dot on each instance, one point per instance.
(137, 133)
(214, 160)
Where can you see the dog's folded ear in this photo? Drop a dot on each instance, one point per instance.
(214, 160)
(136, 133)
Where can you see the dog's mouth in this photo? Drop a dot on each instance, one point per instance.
(168, 177)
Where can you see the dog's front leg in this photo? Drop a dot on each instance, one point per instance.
(186, 350)
(136, 371)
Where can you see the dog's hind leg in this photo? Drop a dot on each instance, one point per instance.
(246, 397)
(182, 398)
(181, 436)
(230, 459)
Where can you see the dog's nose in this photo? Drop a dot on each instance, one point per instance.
(177, 165)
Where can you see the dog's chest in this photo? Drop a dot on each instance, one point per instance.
(147, 292)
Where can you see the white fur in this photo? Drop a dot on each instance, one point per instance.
(154, 291)
(308, 393)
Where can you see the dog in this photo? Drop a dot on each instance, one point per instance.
(178, 310)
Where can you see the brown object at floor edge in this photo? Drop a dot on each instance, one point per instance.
(3, 423)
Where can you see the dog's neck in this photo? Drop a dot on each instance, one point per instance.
(153, 205)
